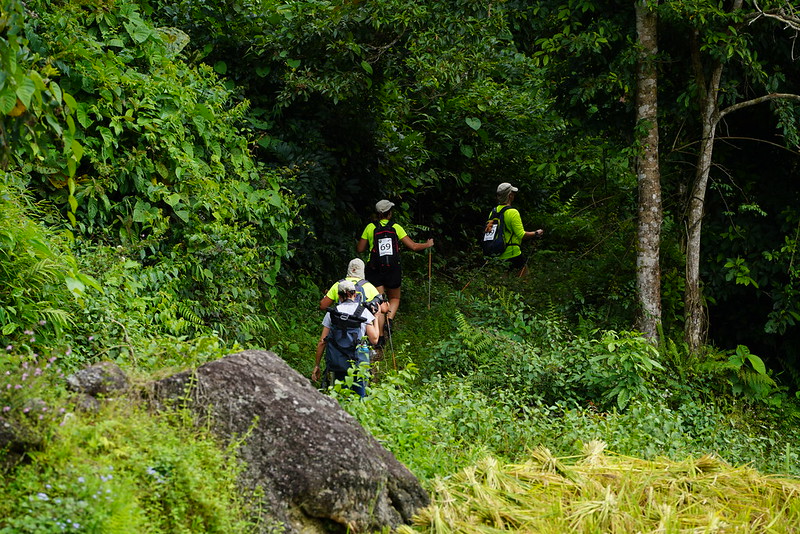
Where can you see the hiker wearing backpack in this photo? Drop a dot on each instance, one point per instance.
(513, 231)
(383, 239)
(365, 293)
(344, 329)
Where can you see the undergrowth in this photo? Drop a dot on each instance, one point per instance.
(124, 470)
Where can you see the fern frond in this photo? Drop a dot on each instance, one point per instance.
(478, 345)
(57, 317)
(755, 381)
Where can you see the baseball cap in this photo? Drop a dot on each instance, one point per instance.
(505, 188)
(346, 286)
(356, 268)
(383, 206)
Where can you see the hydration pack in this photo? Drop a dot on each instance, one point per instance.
(343, 338)
(493, 242)
(385, 253)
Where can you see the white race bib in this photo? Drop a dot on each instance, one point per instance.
(489, 236)
(385, 246)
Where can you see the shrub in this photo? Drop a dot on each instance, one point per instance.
(124, 470)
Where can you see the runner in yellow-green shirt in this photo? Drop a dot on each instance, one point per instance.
(367, 293)
(382, 239)
(514, 231)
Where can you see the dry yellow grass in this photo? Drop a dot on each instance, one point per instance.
(602, 492)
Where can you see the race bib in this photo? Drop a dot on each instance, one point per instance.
(385, 246)
(489, 235)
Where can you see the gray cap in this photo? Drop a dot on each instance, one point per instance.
(505, 188)
(356, 268)
(383, 206)
(346, 286)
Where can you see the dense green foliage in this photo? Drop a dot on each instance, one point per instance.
(182, 179)
(551, 386)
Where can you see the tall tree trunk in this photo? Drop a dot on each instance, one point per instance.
(695, 327)
(648, 268)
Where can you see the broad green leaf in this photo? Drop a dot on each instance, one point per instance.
(37, 80)
(89, 281)
(83, 115)
(367, 67)
(221, 67)
(757, 363)
(138, 31)
(8, 99)
(55, 90)
(204, 111)
(293, 63)
(141, 211)
(69, 100)
(473, 122)
(25, 91)
(77, 150)
(74, 285)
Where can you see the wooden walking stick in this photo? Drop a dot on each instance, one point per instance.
(430, 260)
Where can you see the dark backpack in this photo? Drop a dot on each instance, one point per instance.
(361, 296)
(343, 338)
(493, 242)
(385, 253)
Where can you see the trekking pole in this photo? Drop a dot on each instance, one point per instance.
(391, 345)
(524, 269)
(430, 260)
(474, 275)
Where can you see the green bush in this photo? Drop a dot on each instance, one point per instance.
(124, 470)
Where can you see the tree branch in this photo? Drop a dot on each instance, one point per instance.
(754, 101)
(789, 18)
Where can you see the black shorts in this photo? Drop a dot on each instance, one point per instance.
(518, 262)
(389, 279)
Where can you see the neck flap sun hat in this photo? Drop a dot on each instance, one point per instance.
(356, 268)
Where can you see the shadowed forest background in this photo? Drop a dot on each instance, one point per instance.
(185, 179)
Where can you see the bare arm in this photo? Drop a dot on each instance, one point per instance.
(372, 332)
(325, 303)
(408, 242)
(321, 344)
(361, 246)
(535, 233)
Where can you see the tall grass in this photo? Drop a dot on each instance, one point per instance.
(599, 491)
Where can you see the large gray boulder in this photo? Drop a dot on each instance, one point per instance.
(319, 469)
